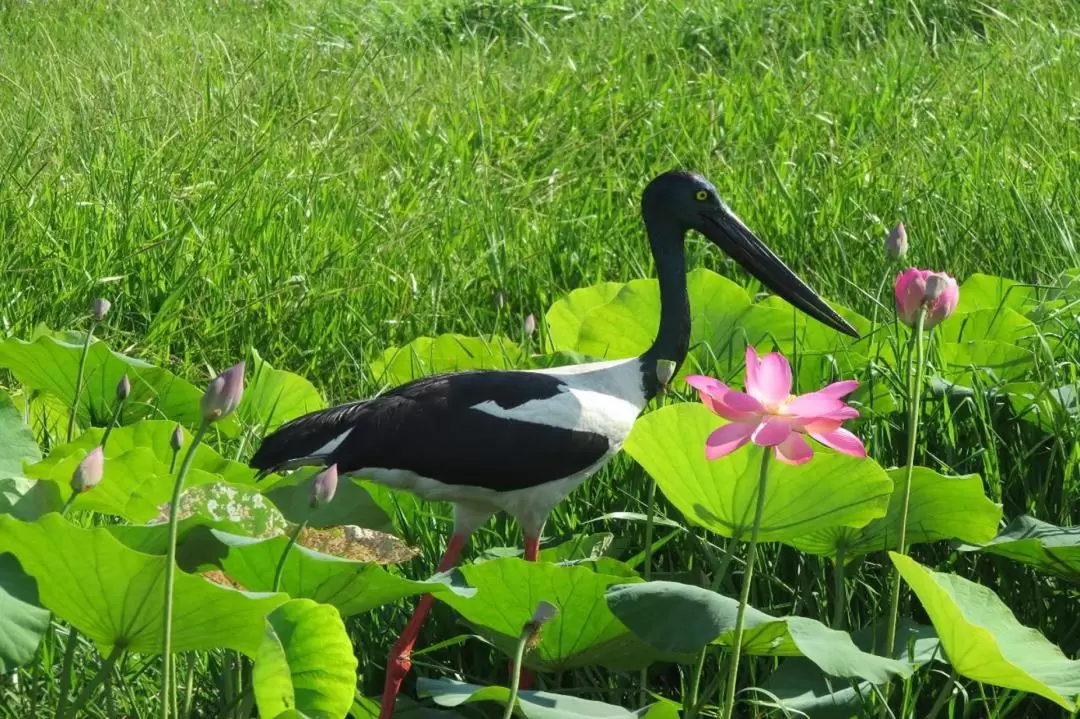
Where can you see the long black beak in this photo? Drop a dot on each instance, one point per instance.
(736, 239)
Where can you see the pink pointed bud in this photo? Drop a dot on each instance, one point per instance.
(915, 288)
(176, 441)
(323, 487)
(896, 244)
(529, 325)
(665, 370)
(123, 388)
(224, 394)
(100, 308)
(500, 300)
(89, 471)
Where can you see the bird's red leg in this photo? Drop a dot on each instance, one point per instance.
(400, 654)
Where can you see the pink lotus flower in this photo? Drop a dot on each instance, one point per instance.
(768, 415)
(936, 290)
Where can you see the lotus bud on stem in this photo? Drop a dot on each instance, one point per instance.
(86, 475)
(176, 443)
(98, 310)
(530, 636)
(323, 488)
(896, 243)
(123, 390)
(221, 398)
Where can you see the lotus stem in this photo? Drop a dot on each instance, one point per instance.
(515, 675)
(65, 669)
(103, 671)
(943, 695)
(79, 380)
(919, 360)
(744, 595)
(189, 688)
(67, 505)
(285, 553)
(839, 591)
(695, 684)
(114, 422)
(170, 568)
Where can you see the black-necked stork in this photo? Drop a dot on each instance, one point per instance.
(519, 441)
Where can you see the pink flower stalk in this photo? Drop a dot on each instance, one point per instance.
(89, 471)
(224, 394)
(915, 288)
(323, 487)
(768, 415)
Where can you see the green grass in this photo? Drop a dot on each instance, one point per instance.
(322, 180)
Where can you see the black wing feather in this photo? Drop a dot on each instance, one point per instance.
(427, 426)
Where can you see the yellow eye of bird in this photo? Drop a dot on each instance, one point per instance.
(701, 195)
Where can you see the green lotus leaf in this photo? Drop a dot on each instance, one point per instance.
(113, 594)
(584, 631)
(941, 507)
(305, 664)
(148, 434)
(17, 443)
(1050, 548)
(831, 490)
(537, 704)
(446, 353)
(681, 618)
(566, 315)
(799, 687)
(350, 586)
(23, 621)
(51, 363)
(988, 292)
(273, 396)
(983, 640)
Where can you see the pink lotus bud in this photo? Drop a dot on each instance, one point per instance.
(123, 388)
(224, 393)
(500, 300)
(89, 471)
(100, 308)
(896, 244)
(323, 487)
(176, 441)
(529, 325)
(665, 370)
(915, 288)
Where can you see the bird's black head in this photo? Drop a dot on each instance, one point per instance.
(680, 201)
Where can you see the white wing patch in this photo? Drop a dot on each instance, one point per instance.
(605, 398)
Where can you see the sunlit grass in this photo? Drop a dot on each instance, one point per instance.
(323, 180)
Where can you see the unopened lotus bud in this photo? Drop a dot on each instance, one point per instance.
(224, 394)
(100, 308)
(529, 325)
(176, 441)
(89, 471)
(544, 613)
(896, 244)
(936, 291)
(665, 370)
(500, 300)
(323, 487)
(123, 388)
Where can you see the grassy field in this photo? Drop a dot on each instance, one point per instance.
(324, 180)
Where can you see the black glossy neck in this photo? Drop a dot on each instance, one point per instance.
(673, 338)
